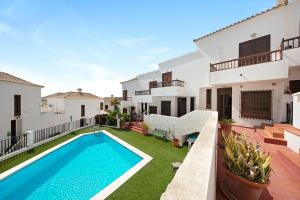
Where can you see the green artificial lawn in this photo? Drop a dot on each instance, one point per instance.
(148, 183)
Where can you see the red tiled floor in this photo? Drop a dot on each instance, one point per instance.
(285, 178)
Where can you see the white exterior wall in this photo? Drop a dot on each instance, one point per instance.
(49, 119)
(30, 106)
(57, 103)
(280, 23)
(296, 110)
(73, 108)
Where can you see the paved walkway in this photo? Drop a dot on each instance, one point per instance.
(285, 178)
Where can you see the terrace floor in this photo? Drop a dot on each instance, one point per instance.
(285, 178)
(149, 183)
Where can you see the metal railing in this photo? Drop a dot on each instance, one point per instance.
(13, 144)
(142, 92)
(290, 43)
(270, 56)
(127, 99)
(169, 84)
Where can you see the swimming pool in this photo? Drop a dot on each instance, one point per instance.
(80, 169)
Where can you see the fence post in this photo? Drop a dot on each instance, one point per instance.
(30, 138)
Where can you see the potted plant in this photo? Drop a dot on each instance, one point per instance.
(145, 128)
(124, 120)
(175, 141)
(226, 125)
(247, 169)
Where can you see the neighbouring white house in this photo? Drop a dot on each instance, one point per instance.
(65, 107)
(106, 103)
(171, 90)
(247, 71)
(20, 106)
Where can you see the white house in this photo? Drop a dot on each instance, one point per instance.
(246, 71)
(254, 66)
(20, 106)
(70, 106)
(171, 90)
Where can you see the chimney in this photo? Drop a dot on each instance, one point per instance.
(111, 95)
(79, 90)
(281, 2)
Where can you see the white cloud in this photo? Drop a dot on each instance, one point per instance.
(133, 42)
(6, 29)
(153, 54)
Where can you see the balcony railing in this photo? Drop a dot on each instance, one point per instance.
(142, 92)
(290, 43)
(126, 98)
(169, 84)
(248, 60)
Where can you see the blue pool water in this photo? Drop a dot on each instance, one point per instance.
(78, 170)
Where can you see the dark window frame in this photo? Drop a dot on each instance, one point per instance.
(17, 105)
(192, 104)
(256, 104)
(125, 95)
(82, 110)
(106, 107)
(101, 105)
(208, 98)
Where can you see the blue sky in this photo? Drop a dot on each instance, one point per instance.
(95, 44)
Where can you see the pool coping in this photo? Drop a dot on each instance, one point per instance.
(109, 189)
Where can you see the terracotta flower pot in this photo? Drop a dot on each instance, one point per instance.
(145, 132)
(175, 142)
(235, 187)
(226, 128)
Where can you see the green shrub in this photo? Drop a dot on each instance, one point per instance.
(145, 126)
(246, 160)
(228, 121)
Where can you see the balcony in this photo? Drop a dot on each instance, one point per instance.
(169, 84)
(169, 88)
(291, 50)
(142, 92)
(258, 67)
(271, 56)
(127, 102)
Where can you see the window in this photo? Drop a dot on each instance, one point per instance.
(295, 86)
(166, 108)
(152, 110)
(192, 104)
(106, 107)
(256, 104)
(17, 105)
(101, 105)
(124, 110)
(208, 98)
(82, 110)
(125, 95)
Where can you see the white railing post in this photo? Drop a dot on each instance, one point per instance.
(30, 138)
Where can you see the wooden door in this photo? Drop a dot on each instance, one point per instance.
(181, 106)
(166, 108)
(253, 47)
(125, 95)
(166, 79)
(13, 131)
(224, 102)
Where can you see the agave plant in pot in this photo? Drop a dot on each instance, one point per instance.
(247, 169)
(175, 141)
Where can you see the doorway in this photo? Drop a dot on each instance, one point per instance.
(166, 108)
(82, 122)
(224, 101)
(181, 107)
(13, 131)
